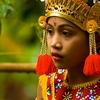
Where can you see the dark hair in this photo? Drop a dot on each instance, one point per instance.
(98, 41)
(90, 3)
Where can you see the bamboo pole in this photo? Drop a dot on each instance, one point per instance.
(17, 67)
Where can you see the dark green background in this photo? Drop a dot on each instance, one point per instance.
(20, 42)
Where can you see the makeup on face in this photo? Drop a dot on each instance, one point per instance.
(54, 23)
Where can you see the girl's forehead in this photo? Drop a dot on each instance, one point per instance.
(57, 21)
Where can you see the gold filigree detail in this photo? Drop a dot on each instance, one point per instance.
(67, 96)
(42, 21)
(82, 85)
(91, 26)
(65, 84)
(94, 14)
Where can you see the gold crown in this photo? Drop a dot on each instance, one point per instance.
(76, 11)
(73, 10)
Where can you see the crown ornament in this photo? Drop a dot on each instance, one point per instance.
(73, 10)
(94, 14)
(76, 11)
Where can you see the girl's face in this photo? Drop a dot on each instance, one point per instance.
(67, 43)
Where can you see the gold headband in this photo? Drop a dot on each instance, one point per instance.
(76, 11)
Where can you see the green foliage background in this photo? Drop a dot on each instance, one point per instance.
(20, 38)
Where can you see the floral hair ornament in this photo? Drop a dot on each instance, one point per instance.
(92, 62)
(45, 63)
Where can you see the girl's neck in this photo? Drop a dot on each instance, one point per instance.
(76, 76)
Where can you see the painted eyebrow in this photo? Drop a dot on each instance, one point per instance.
(62, 25)
(49, 25)
(68, 25)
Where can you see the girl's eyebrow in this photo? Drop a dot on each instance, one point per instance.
(49, 25)
(62, 25)
(68, 25)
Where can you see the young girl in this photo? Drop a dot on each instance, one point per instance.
(72, 70)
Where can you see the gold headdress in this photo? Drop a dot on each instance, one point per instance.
(76, 11)
(79, 13)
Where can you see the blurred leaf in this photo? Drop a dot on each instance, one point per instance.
(5, 8)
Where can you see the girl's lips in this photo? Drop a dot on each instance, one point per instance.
(56, 56)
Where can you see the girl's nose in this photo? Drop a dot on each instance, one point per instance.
(56, 42)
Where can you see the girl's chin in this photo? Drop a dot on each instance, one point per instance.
(60, 66)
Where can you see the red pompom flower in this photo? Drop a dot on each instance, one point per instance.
(45, 65)
(92, 65)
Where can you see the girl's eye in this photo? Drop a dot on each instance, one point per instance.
(66, 33)
(50, 31)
